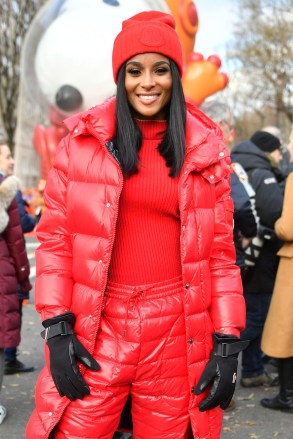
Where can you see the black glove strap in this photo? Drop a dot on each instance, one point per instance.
(60, 328)
(223, 349)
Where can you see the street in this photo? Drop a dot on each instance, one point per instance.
(248, 421)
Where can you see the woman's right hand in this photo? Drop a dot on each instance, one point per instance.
(65, 350)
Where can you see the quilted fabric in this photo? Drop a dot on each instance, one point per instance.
(77, 232)
(14, 264)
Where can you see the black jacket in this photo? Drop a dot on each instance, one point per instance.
(27, 220)
(244, 218)
(267, 181)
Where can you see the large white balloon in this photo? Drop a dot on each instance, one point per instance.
(74, 47)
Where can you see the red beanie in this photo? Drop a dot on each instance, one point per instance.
(150, 31)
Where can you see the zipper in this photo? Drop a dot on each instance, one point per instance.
(185, 173)
(95, 134)
(181, 220)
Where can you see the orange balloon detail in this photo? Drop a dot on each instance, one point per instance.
(201, 78)
(46, 139)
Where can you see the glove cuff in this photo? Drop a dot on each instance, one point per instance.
(228, 345)
(66, 317)
(58, 325)
(60, 328)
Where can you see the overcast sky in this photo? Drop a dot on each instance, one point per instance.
(215, 26)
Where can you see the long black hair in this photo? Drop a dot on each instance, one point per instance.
(128, 137)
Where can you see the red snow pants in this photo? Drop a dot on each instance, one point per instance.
(141, 348)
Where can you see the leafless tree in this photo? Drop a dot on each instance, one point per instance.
(262, 54)
(15, 18)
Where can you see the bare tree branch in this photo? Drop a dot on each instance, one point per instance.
(262, 53)
(15, 18)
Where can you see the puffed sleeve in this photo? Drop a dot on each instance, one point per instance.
(54, 282)
(227, 308)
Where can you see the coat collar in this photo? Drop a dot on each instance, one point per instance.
(204, 142)
(100, 118)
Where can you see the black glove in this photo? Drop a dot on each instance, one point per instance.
(220, 372)
(65, 350)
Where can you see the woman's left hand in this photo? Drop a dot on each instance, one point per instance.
(220, 372)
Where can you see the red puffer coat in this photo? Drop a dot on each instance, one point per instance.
(14, 265)
(77, 232)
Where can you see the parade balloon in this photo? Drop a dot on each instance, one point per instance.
(67, 61)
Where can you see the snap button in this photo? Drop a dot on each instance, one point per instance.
(76, 130)
(22, 269)
(90, 316)
(185, 172)
(187, 286)
(212, 177)
(190, 340)
(108, 204)
(100, 261)
(50, 413)
(221, 154)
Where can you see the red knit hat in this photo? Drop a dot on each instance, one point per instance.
(150, 31)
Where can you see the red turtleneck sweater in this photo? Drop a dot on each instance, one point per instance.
(147, 243)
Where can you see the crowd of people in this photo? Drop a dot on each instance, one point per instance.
(159, 232)
(264, 166)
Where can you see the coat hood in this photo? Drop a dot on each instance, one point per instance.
(205, 139)
(8, 189)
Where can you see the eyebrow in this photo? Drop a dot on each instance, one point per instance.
(156, 64)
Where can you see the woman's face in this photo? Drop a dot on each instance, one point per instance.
(148, 84)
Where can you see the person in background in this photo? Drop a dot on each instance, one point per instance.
(260, 157)
(14, 270)
(136, 275)
(286, 166)
(28, 222)
(286, 163)
(278, 330)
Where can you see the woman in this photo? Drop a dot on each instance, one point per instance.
(278, 331)
(14, 270)
(136, 263)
